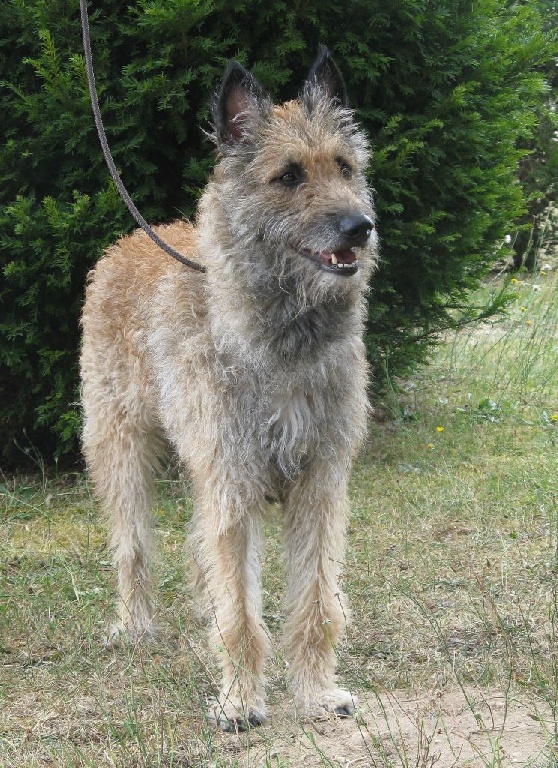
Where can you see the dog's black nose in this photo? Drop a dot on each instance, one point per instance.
(356, 228)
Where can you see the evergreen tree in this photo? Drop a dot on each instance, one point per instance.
(448, 92)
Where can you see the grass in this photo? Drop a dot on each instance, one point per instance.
(451, 571)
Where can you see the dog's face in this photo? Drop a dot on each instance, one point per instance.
(294, 190)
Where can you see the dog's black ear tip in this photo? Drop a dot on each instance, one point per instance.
(325, 74)
(323, 58)
(234, 72)
(239, 96)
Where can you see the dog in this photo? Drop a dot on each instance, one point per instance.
(254, 373)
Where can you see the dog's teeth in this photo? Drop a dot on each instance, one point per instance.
(334, 259)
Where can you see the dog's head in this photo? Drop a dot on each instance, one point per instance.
(292, 180)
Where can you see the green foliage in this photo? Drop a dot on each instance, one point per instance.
(447, 91)
(538, 170)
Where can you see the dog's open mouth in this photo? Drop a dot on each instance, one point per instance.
(341, 262)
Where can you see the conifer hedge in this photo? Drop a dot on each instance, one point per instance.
(447, 91)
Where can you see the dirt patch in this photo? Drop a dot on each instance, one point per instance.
(451, 729)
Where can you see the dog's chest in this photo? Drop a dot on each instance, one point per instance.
(290, 431)
(293, 424)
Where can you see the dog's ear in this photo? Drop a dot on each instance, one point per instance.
(239, 99)
(325, 77)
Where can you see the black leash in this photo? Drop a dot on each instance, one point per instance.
(108, 157)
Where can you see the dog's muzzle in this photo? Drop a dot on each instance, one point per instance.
(355, 229)
(354, 232)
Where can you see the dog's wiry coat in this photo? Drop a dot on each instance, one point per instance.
(255, 373)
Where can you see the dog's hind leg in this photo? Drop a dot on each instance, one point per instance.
(121, 453)
(315, 521)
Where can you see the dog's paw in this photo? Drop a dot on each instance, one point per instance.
(118, 634)
(335, 701)
(114, 637)
(232, 717)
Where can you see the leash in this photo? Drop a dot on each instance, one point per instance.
(108, 157)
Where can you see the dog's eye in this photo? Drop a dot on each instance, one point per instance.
(291, 176)
(345, 168)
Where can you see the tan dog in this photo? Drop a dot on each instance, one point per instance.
(254, 373)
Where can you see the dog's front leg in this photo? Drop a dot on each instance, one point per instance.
(229, 561)
(316, 512)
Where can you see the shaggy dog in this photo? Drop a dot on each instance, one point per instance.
(254, 373)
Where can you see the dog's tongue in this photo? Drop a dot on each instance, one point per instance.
(342, 256)
(346, 256)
